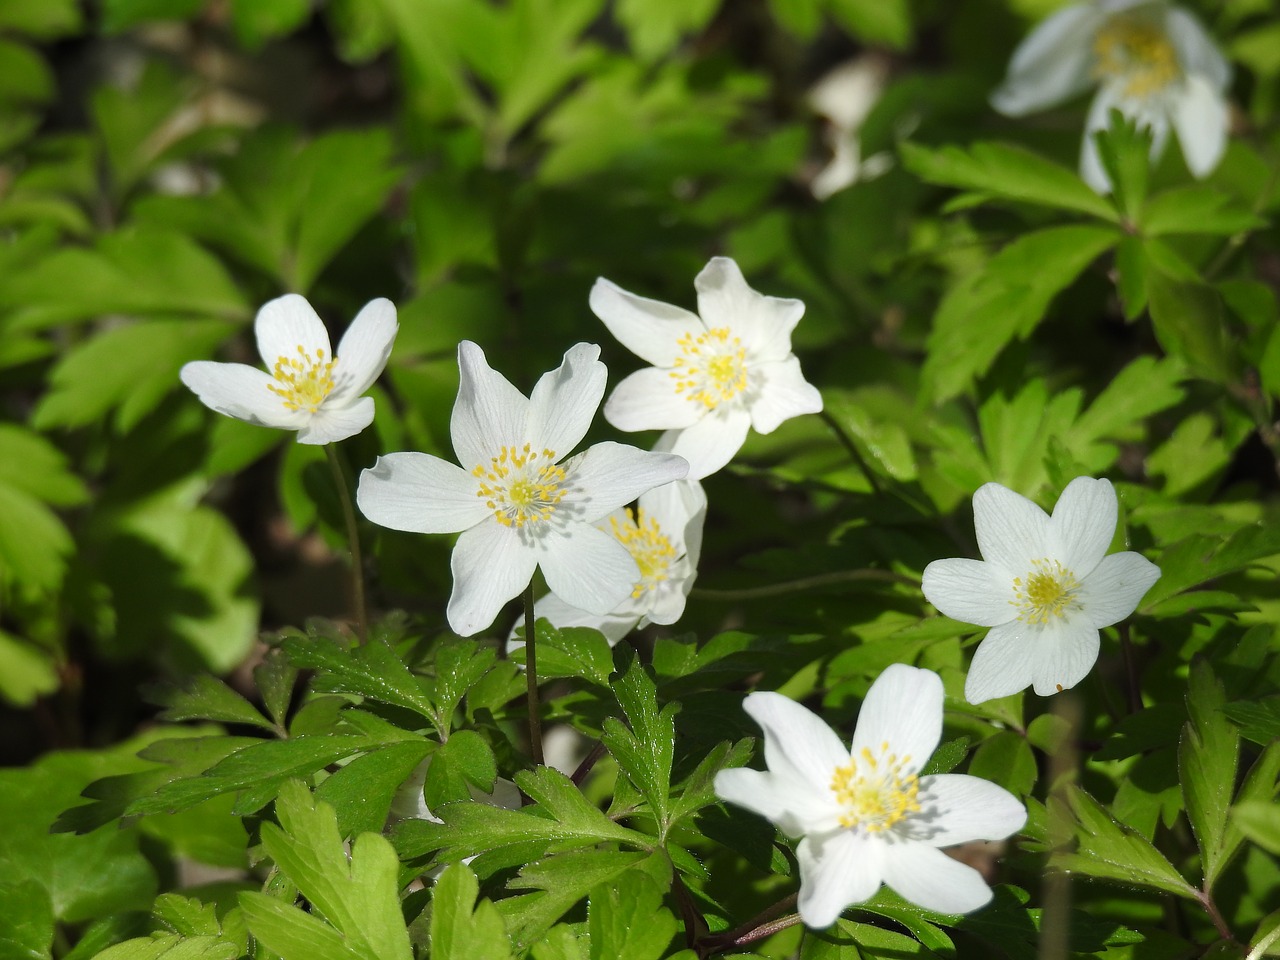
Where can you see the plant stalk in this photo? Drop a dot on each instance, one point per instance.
(353, 542)
(531, 675)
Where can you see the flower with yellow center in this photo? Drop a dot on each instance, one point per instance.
(663, 534)
(1045, 586)
(518, 503)
(1151, 60)
(865, 813)
(715, 374)
(310, 389)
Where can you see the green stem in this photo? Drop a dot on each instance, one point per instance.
(804, 583)
(851, 448)
(353, 541)
(766, 924)
(531, 676)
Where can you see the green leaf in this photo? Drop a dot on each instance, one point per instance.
(626, 920)
(1131, 276)
(1266, 939)
(291, 934)
(45, 19)
(1259, 720)
(698, 788)
(172, 947)
(358, 896)
(120, 15)
(1006, 172)
(275, 677)
(1124, 148)
(206, 698)
(1108, 850)
(1198, 559)
(1006, 759)
(875, 21)
(257, 21)
(645, 751)
(34, 545)
(459, 665)
(1259, 820)
(580, 652)
(26, 923)
(1190, 323)
(465, 760)
(1207, 756)
(1197, 208)
(461, 929)
(26, 671)
(654, 28)
(371, 670)
(363, 791)
(1008, 298)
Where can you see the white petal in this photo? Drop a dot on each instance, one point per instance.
(790, 804)
(1064, 657)
(419, 493)
(781, 393)
(1052, 64)
(1003, 663)
(561, 615)
(330, 424)
(711, 442)
(287, 323)
(648, 328)
(490, 566)
(971, 591)
(1200, 117)
(240, 391)
(489, 412)
(1114, 588)
(763, 323)
(1011, 530)
(647, 400)
(364, 349)
(1197, 54)
(588, 569)
(903, 709)
(838, 870)
(666, 604)
(798, 744)
(679, 509)
(930, 879)
(957, 808)
(609, 475)
(564, 401)
(1082, 525)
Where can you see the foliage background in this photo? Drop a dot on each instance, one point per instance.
(973, 314)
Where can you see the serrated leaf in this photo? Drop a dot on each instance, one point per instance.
(459, 665)
(461, 929)
(1190, 323)
(275, 677)
(1197, 208)
(1108, 850)
(645, 751)
(572, 652)
(463, 761)
(1259, 720)
(626, 920)
(1207, 756)
(1006, 759)
(1124, 147)
(206, 698)
(698, 788)
(362, 792)
(371, 670)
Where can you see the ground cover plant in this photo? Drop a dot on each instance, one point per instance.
(574, 479)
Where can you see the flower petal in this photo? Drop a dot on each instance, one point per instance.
(1003, 663)
(1200, 118)
(957, 808)
(489, 412)
(1115, 587)
(679, 509)
(240, 391)
(971, 591)
(648, 328)
(287, 323)
(587, 568)
(789, 803)
(763, 323)
(903, 708)
(710, 443)
(1197, 54)
(1064, 657)
(837, 870)
(330, 424)
(564, 400)
(1082, 525)
(647, 400)
(364, 349)
(930, 879)
(798, 744)
(1012, 531)
(561, 615)
(608, 475)
(1052, 64)
(491, 565)
(419, 493)
(781, 392)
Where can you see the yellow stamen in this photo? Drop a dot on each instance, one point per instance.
(876, 790)
(649, 547)
(1135, 49)
(1047, 591)
(304, 380)
(521, 485)
(713, 368)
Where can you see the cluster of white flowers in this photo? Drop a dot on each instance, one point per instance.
(521, 500)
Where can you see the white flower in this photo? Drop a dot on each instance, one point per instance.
(1152, 61)
(714, 376)
(845, 97)
(866, 815)
(310, 389)
(1043, 585)
(518, 506)
(664, 537)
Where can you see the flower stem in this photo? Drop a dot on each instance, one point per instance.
(852, 449)
(353, 541)
(531, 675)
(764, 925)
(804, 583)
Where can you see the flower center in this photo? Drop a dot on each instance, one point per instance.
(713, 368)
(521, 485)
(1048, 590)
(304, 381)
(875, 791)
(1136, 50)
(649, 547)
